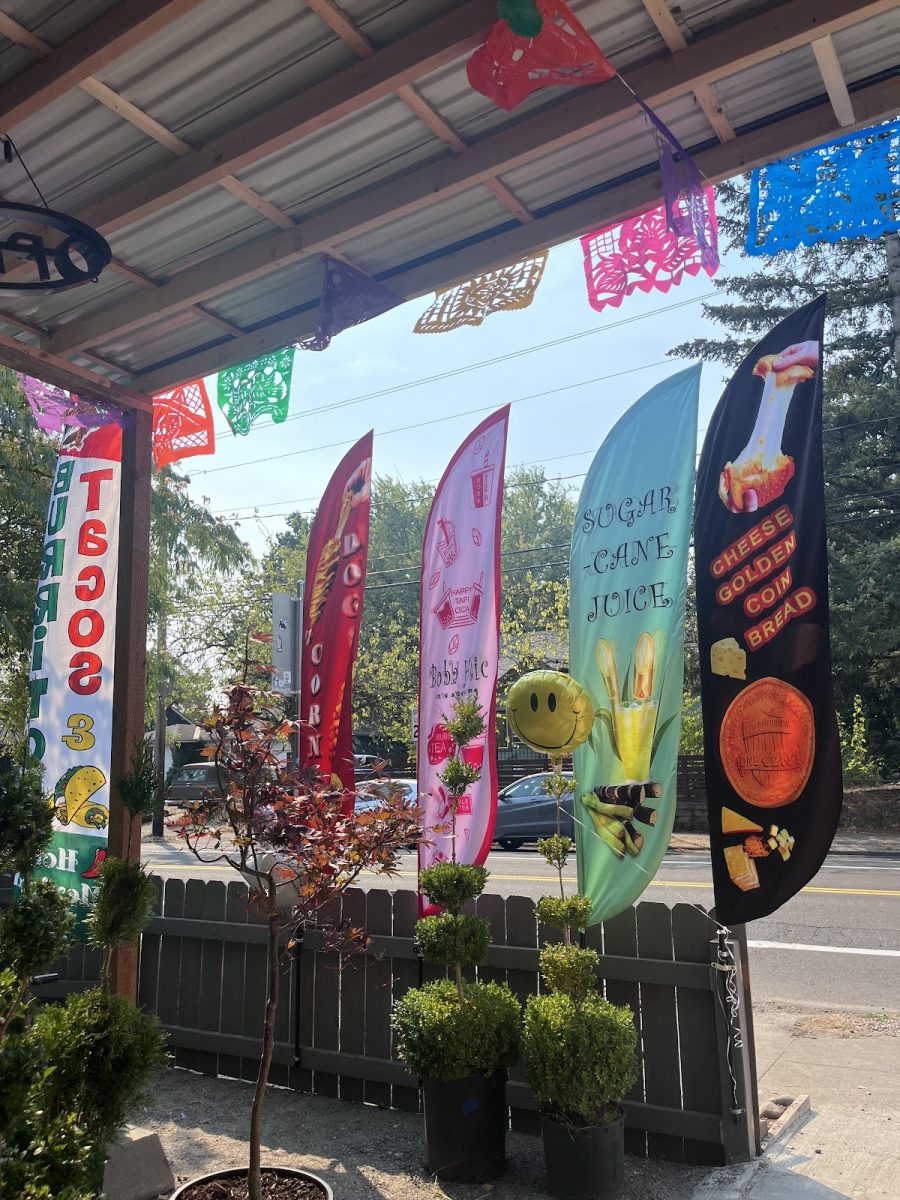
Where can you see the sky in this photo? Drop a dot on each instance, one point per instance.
(566, 393)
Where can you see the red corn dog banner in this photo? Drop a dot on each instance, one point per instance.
(336, 563)
(460, 639)
(773, 762)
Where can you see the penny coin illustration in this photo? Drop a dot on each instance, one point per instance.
(768, 743)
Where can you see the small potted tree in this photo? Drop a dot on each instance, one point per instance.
(461, 1038)
(70, 1074)
(299, 845)
(579, 1053)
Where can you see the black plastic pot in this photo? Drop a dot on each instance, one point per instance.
(585, 1163)
(465, 1127)
(184, 1192)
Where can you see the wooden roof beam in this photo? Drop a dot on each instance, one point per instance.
(833, 78)
(113, 34)
(670, 32)
(32, 360)
(583, 114)
(787, 136)
(141, 120)
(349, 32)
(341, 95)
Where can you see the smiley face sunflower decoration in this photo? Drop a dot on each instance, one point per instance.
(550, 712)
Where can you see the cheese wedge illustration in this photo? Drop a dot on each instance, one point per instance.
(733, 822)
(73, 793)
(741, 868)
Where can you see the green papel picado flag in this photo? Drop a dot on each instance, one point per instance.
(626, 630)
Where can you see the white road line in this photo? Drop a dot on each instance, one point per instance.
(704, 862)
(823, 949)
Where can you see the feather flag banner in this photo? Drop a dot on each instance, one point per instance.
(641, 255)
(336, 561)
(459, 644)
(773, 756)
(628, 583)
(849, 188)
(73, 656)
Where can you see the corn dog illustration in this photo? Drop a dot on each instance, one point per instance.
(327, 566)
(762, 471)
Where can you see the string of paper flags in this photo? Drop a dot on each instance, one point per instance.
(845, 189)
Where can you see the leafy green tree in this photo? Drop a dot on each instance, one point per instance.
(188, 545)
(861, 440)
(26, 470)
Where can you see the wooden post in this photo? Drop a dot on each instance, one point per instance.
(737, 1071)
(130, 657)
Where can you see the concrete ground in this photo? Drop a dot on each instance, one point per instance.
(848, 1062)
(846, 1148)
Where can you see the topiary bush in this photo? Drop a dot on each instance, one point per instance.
(447, 939)
(121, 908)
(451, 884)
(35, 930)
(570, 970)
(580, 1057)
(563, 912)
(442, 1037)
(102, 1050)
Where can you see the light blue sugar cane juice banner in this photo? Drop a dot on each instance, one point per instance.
(626, 630)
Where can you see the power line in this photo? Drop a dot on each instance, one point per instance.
(537, 462)
(488, 362)
(435, 420)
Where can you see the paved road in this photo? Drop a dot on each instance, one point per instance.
(837, 943)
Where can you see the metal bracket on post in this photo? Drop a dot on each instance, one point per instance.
(737, 1072)
(287, 655)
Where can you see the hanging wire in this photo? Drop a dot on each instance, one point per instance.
(8, 139)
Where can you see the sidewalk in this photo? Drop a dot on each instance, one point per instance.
(844, 843)
(848, 1062)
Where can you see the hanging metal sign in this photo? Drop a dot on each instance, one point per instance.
(78, 258)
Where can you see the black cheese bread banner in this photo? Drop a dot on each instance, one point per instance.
(773, 764)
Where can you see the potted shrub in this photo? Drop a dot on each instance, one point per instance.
(579, 1054)
(70, 1074)
(461, 1038)
(299, 844)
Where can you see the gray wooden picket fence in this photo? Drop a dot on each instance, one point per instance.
(203, 971)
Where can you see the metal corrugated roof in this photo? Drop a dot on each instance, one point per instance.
(223, 63)
(380, 143)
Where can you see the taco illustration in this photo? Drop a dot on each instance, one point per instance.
(72, 798)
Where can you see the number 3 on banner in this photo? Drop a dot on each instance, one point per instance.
(81, 737)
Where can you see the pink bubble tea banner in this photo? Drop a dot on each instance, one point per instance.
(460, 640)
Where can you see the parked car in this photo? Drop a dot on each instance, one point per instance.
(370, 793)
(195, 781)
(525, 812)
